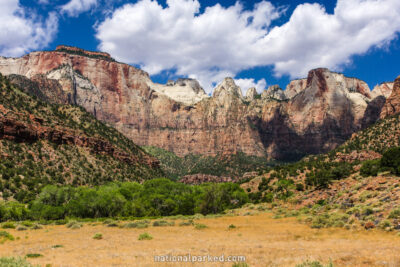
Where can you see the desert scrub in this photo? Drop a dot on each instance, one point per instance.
(200, 226)
(394, 214)
(98, 236)
(232, 226)
(57, 246)
(314, 264)
(240, 264)
(15, 262)
(8, 225)
(33, 255)
(4, 236)
(74, 225)
(139, 224)
(145, 236)
(163, 223)
(186, 223)
(37, 226)
(21, 228)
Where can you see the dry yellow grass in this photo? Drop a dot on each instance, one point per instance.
(263, 240)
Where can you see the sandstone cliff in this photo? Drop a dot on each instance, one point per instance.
(392, 105)
(322, 112)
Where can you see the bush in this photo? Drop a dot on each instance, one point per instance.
(200, 226)
(163, 223)
(139, 225)
(98, 236)
(21, 228)
(391, 159)
(370, 168)
(5, 236)
(145, 236)
(33, 255)
(8, 225)
(232, 226)
(14, 262)
(313, 264)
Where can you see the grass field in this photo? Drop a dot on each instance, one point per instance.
(264, 241)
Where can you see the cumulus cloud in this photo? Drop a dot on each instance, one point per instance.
(224, 41)
(20, 32)
(75, 7)
(245, 84)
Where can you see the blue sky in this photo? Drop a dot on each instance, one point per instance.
(259, 43)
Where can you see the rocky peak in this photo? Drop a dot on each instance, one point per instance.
(273, 92)
(229, 87)
(295, 87)
(251, 93)
(185, 90)
(383, 89)
(392, 105)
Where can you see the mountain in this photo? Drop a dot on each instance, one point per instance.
(313, 115)
(42, 143)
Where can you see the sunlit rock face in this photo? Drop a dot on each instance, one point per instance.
(312, 115)
(392, 105)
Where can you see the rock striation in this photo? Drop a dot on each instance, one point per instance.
(314, 115)
(392, 105)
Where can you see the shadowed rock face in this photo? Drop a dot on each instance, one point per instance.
(322, 113)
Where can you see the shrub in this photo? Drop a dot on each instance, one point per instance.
(145, 236)
(163, 223)
(232, 226)
(8, 225)
(370, 168)
(6, 236)
(21, 228)
(391, 159)
(200, 226)
(33, 255)
(313, 264)
(139, 224)
(14, 262)
(98, 236)
(394, 214)
(186, 223)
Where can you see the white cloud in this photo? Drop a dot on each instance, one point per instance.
(224, 41)
(245, 84)
(20, 32)
(74, 7)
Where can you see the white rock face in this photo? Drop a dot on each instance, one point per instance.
(187, 91)
(229, 87)
(251, 93)
(384, 89)
(295, 87)
(273, 92)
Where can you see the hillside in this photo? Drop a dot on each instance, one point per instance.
(357, 184)
(233, 165)
(43, 143)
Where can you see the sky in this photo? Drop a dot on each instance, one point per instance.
(258, 43)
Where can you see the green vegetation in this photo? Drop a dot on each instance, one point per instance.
(26, 166)
(34, 255)
(233, 166)
(390, 161)
(82, 53)
(98, 236)
(4, 236)
(157, 197)
(200, 226)
(314, 264)
(14, 262)
(145, 236)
